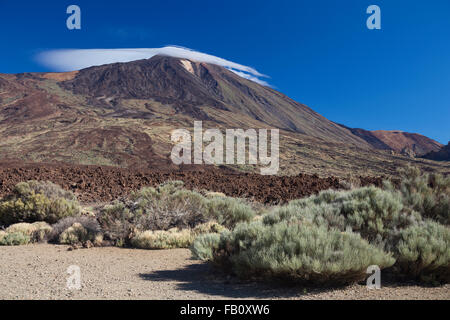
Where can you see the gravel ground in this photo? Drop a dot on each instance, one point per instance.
(40, 272)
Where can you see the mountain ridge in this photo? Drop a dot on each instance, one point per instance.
(166, 80)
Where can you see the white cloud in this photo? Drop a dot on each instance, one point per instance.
(250, 77)
(76, 59)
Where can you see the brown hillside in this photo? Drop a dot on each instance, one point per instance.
(123, 115)
(398, 141)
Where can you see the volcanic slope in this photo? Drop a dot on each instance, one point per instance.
(123, 114)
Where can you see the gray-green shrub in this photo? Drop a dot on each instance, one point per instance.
(15, 239)
(205, 245)
(428, 194)
(229, 211)
(377, 215)
(292, 251)
(386, 218)
(423, 252)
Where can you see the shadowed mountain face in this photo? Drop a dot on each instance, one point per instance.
(123, 114)
(441, 155)
(190, 86)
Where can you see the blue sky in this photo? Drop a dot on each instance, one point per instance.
(318, 52)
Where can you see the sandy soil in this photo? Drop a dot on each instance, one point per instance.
(40, 272)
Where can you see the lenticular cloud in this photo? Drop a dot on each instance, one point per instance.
(76, 59)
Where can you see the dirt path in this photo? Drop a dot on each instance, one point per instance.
(40, 272)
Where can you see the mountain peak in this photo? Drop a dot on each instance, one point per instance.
(192, 87)
(163, 78)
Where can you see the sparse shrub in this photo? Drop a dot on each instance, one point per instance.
(160, 239)
(292, 251)
(37, 201)
(162, 208)
(37, 231)
(317, 214)
(173, 238)
(169, 206)
(43, 231)
(209, 227)
(350, 182)
(166, 207)
(428, 194)
(182, 209)
(78, 234)
(117, 221)
(170, 186)
(87, 222)
(25, 228)
(423, 252)
(15, 239)
(77, 230)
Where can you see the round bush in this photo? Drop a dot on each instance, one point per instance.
(423, 252)
(78, 234)
(375, 214)
(292, 251)
(77, 230)
(37, 231)
(14, 239)
(37, 201)
(229, 211)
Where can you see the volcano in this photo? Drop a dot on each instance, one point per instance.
(122, 114)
